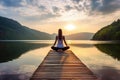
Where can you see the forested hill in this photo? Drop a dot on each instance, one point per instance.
(110, 32)
(12, 30)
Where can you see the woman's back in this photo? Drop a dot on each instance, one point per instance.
(60, 43)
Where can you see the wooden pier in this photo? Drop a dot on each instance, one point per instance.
(62, 66)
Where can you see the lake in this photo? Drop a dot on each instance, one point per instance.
(19, 59)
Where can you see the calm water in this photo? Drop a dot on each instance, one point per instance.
(19, 59)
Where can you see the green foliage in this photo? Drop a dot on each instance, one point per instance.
(117, 35)
(110, 32)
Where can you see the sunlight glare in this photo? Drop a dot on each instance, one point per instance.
(70, 27)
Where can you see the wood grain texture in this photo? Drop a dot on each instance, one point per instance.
(62, 66)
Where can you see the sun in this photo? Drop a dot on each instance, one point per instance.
(70, 27)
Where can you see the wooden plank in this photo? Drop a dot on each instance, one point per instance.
(62, 66)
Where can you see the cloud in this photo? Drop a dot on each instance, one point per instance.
(68, 7)
(48, 15)
(1, 7)
(97, 6)
(46, 9)
(76, 1)
(105, 6)
(42, 8)
(27, 10)
(55, 9)
(42, 17)
(81, 5)
(11, 3)
(110, 6)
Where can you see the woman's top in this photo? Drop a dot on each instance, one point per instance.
(60, 43)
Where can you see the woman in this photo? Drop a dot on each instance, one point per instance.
(59, 40)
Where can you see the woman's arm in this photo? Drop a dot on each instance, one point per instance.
(55, 41)
(65, 40)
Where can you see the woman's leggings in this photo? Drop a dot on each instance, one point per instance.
(57, 48)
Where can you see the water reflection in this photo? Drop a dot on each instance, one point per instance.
(82, 45)
(110, 49)
(97, 58)
(109, 73)
(25, 57)
(13, 50)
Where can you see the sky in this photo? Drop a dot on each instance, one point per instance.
(50, 15)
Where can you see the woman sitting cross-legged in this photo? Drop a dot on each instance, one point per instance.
(59, 40)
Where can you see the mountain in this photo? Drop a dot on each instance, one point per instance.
(80, 36)
(110, 32)
(12, 30)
